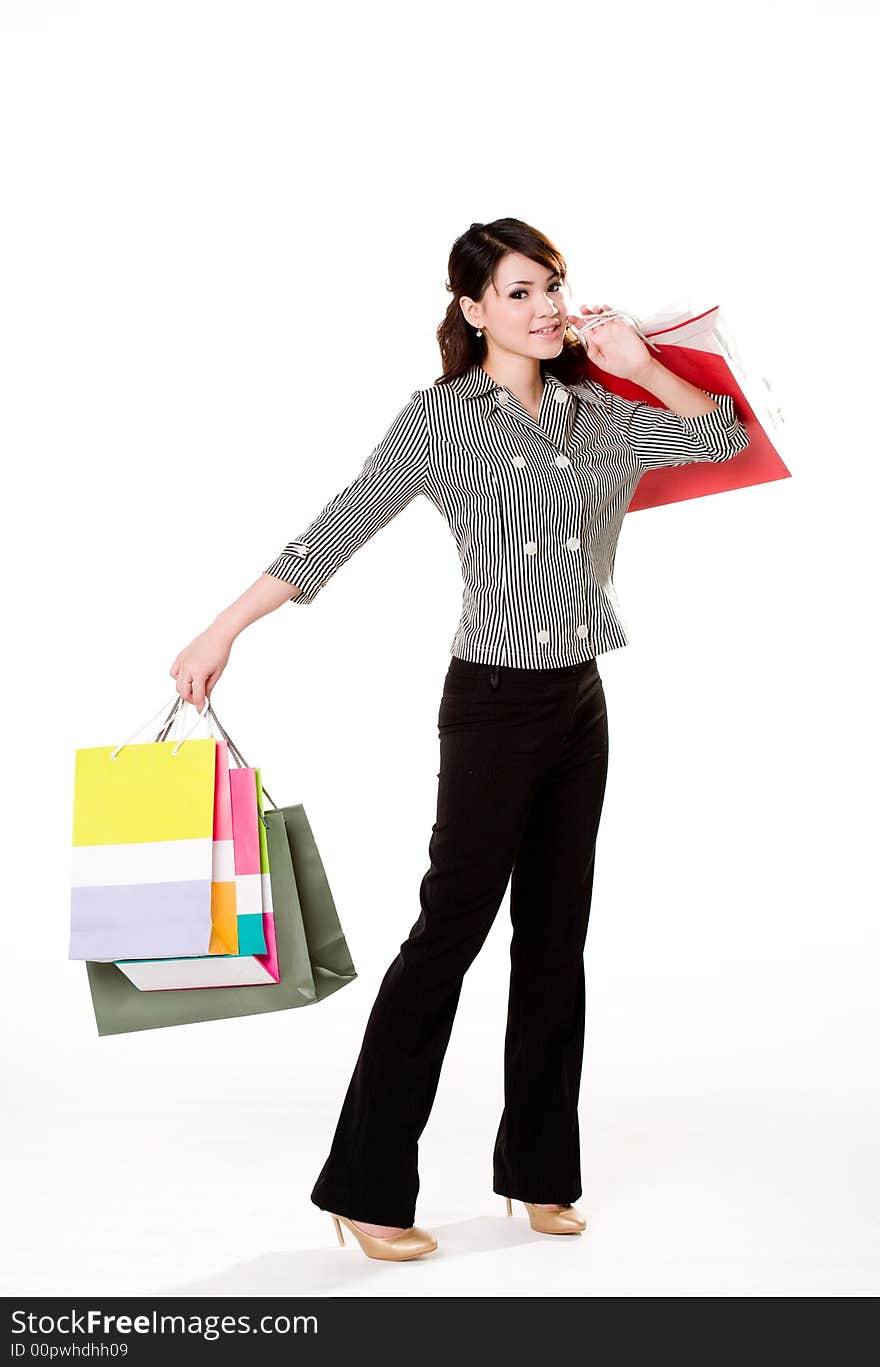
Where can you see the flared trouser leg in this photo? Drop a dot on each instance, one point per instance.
(537, 1148)
(497, 746)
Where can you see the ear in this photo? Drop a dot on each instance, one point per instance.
(468, 308)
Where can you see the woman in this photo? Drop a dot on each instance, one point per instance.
(533, 467)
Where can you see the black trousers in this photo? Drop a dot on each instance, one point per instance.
(523, 765)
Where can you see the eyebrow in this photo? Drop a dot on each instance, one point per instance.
(555, 276)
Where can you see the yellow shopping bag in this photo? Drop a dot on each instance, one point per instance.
(143, 824)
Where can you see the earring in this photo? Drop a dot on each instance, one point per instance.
(479, 332)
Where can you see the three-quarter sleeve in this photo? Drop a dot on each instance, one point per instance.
(660, 437)
(393, 474)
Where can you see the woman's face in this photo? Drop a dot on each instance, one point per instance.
(523, 300)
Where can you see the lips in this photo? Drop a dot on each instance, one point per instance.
(541, 332)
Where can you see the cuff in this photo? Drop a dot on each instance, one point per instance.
(720, 431)
(291, 566)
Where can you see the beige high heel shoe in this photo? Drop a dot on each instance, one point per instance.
(410, 1244)
(566, 1221)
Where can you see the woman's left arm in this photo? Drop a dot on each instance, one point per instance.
(693, 426)
(679, 396)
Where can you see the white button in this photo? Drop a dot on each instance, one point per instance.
(561, 395)
(573, 543)
(544, 635)
(530, 547)
(518, 461)
(562, 460)
(583, 630)
(502, 396)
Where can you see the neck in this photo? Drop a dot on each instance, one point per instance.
(520, 374)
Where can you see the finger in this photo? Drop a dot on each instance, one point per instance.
(198, 694)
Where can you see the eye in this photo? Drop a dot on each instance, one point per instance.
(557, 285)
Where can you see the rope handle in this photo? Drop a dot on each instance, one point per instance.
(115, 751)
(236, 753)
(597, 319)
(240, 761)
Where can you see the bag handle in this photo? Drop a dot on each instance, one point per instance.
(173, 721)
(594, 322)
(170, 721)
(234, 750)
(175, 724)
(115, 751)
(177, 712)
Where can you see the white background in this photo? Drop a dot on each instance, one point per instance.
(224, 242)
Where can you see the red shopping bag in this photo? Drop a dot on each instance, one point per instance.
(700, 347)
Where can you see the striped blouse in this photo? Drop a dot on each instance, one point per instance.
(535, 507)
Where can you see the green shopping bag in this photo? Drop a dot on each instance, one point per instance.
(313, 956)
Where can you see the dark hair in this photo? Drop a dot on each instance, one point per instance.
(472, 263)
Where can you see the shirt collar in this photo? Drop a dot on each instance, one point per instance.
(476, 382)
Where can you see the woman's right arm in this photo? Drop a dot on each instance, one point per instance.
(200, 664)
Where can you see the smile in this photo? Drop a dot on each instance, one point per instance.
(546, 332)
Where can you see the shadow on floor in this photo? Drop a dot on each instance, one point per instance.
(325, 1270)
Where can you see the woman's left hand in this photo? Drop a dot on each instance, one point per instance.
(615, 346)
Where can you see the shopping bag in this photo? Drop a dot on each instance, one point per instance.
(295, 861)
(248, 891)
(143, 822)
(216, 970)
(699, 346)
(224, 907)
(271, 956)
(312, 956)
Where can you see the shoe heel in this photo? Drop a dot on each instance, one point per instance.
(411, 1243)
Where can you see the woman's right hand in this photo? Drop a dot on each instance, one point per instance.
(200, 664)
